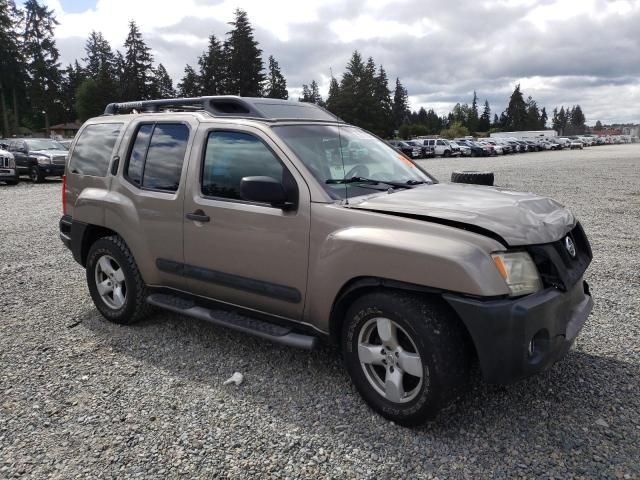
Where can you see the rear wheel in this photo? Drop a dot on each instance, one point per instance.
(114, 281)
(407, 358)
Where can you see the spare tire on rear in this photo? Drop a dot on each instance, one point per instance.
(472, 177)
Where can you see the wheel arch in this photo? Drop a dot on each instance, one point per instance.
(359, 286)
(83, 236)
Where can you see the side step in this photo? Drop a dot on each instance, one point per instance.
(235, 321)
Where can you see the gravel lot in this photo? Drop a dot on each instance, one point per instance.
(80, 397)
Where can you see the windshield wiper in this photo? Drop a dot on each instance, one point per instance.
(372, 181)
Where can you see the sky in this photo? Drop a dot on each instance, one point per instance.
(562, 52)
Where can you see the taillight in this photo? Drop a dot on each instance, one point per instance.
(64, 194)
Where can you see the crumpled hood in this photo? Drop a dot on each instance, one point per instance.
(518, 218)
(50, 153)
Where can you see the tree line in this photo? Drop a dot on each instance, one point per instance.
(36, 92)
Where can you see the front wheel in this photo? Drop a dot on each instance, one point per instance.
(408, 358)
(114, 281)
(36, 175)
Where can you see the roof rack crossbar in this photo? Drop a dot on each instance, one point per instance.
(230, 106)
(227, 105)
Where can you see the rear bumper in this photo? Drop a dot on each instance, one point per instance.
(516, 338)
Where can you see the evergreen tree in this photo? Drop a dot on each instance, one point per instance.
(212, 69)
(543, 118)
(189, 86)
(532, 121)
(383, 122)
(598, 125)
(311, 94)
(496, 121)
(562, 121)
(138, 75)
(577, 120)
(516, 113)
(484, 123)
(12, 74)
(400, 108)
(348, 103)
(244, 59)
(276, 83)
(472, 121)
(42, 67)
(120, 66)
(163, 87)
(101, 68)
(87, 104)
(555, 121)
(72, 77)
(333, 96)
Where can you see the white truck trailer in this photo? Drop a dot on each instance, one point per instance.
(527, 135)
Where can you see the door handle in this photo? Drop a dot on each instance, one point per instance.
(198, 216)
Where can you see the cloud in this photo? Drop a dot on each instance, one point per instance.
(562, 52)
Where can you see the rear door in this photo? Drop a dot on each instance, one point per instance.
(152, 185)
(245, 253)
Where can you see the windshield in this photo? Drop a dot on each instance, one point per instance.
(44, 144)
(340, 153)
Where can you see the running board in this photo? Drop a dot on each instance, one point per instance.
(234, 321)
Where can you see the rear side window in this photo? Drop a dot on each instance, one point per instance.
(230, 156)
(157, 156)
(92, 152)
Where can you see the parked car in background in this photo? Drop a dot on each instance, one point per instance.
(411, 151)
(440, 146)
(38, 157)
(66, 143)
(455, 149)
(575, 144)
(488, 148)
(427, 151)
(8, 172)
(458, 147)
(495, 149)
(475, 150)
(501, 146)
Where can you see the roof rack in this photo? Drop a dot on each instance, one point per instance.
(269, 109)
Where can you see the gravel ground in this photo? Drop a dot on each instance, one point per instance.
(80, 397)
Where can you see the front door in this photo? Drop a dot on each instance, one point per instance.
(19, 150)
(244, 253)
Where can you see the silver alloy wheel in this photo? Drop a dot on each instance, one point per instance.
(110, 282)
(390, 360)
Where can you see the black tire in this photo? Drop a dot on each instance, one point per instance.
(36, 175)
(473, 177)
(439, 338)
(135, 306)
(446, 153)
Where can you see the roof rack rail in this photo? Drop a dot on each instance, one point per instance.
(231, 106)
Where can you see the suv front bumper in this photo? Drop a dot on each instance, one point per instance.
(516, 338)
(52, 170)
(10, 174)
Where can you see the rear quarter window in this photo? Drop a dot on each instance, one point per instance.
(92, 152)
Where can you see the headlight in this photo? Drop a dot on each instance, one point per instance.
(12, 162)
(518, 271)
(42, 160)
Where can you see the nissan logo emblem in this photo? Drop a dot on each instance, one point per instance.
(570, 246)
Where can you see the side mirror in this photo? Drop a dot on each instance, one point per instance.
(264, 190)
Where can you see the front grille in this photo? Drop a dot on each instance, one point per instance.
(59, 160)
(4, 162)
(556, 266)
